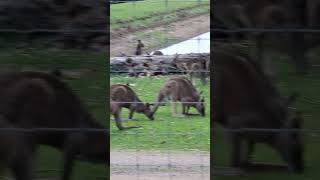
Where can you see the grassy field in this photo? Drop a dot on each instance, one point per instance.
(86, 74)
(145, 13)
(288, 81)
(165, 132)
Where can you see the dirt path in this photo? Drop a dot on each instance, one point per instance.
(158, 165)
(175, 32)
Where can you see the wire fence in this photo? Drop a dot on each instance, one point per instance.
(163, 148)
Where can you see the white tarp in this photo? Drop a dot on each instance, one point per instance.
(198, 44)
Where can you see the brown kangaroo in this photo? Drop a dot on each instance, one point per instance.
(40, 100)
(115, 109)
(180, 89)
(125, 97)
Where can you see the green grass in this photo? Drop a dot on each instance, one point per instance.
(165, 132)
(148, 12)
(129, 11)
(287, 81)
(89, 85)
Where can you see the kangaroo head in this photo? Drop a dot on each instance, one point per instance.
(149, 112)
(145, 109)
(200, 107)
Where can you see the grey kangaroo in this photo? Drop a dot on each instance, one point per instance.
(125, 97)
(180, 89)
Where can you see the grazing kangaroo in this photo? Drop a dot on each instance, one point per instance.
(40, 100)
(115, 107)
(127, 98)
(180, 89)
(245, 97)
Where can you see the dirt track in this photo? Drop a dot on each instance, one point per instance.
(181, 30)
(158, 165)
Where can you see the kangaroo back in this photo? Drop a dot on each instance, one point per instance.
(123, 93)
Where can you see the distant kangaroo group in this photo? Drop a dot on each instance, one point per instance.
(175, 89)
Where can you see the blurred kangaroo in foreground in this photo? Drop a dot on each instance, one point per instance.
(180, 89)
(246, 98)
(123, 96)
(40, 100)
(13, 150)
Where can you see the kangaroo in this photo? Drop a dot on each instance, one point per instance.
(198, 70)
(40, 100)
(139, 47)
(245, 97)
(180, 89)
(125, 97)
(115, 109)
